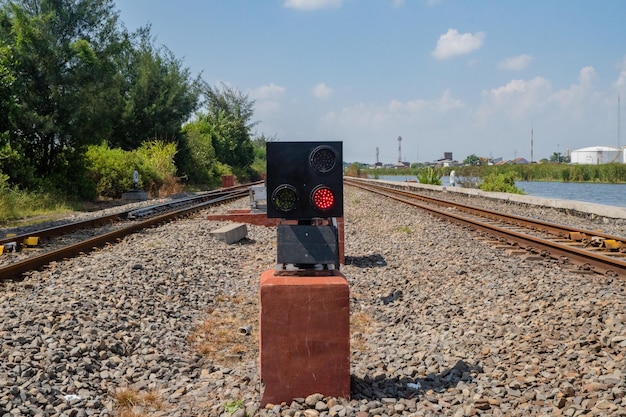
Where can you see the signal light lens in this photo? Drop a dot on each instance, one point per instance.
(323, 198)
(285, 198)
(323, 159)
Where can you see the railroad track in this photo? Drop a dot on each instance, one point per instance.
(588, 250)
(127, 222)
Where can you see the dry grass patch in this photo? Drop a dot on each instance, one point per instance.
(132, 403)
(220, 337)
(360, 324)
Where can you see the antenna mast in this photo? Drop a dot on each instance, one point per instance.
(531, 144)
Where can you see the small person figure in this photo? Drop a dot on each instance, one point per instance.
(452, 179)
(135, 179)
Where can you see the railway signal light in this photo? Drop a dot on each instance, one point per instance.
(304, 180)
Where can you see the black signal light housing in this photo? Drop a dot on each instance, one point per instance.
(304, 180)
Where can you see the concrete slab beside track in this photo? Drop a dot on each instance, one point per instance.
(613, 212)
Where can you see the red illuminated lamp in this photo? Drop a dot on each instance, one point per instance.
(323, 198)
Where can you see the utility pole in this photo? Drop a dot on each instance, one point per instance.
(531, 144)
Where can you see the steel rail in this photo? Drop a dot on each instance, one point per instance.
(65, 228)
(556, 229)
(60, 230)
(17, 269)
(586, 259)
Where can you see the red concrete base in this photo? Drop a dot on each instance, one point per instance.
(228, 181)
(305, 336)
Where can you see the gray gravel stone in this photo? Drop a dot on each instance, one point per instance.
(443, 323)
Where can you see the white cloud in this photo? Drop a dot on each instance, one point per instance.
(447, 102)
(398, 3)
(322, 91)
(515, 100)
(576, 93)
(443, 104)
(267, 99)
(267, 107)
(360, 115)
(453, 43)
(414, 106)
(265, 92)
(376, 119)
(513, 87)
(586, 76)
(312, 4)
(516, 63)
(528, 99)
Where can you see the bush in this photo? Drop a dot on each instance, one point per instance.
(156, 166)
(111, 170)
(500, 183)
(429, 175)
(354, 170)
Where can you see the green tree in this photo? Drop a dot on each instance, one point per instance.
(229, 112)
(7, 94)
(260, 152)
(472, 160)
(196, 158)
(558, 157)
(65, 80)
(159, 95)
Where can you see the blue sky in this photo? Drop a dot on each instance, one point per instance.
(467, 77)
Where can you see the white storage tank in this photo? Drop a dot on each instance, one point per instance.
(596, 155)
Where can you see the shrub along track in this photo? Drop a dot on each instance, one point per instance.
(588, 250)
(138, 218)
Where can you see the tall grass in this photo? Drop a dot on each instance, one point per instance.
(16, 204)
(605, 173)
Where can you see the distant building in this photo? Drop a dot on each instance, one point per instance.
(447, 160)
(595, 155)
(516, 161)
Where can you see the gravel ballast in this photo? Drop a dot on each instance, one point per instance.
(443, 323)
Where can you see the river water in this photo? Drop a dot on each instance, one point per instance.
(607, 194)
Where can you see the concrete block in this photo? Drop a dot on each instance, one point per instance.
(231, 233)
(135, 195)
(304, 336)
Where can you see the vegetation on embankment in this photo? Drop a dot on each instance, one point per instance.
(501, 178)
(18, 204)
(84, 103)
(605, 173)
